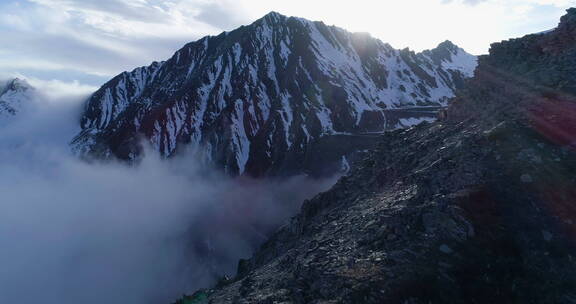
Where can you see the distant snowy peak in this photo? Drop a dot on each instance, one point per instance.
(257, 99)
(452, 57)
(14, 95)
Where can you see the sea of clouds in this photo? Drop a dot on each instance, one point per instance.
(77, 232)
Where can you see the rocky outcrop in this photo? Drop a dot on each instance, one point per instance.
(547, 58)
(265, 98)
(477, 208)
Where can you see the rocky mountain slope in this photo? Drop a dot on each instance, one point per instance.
(283, 95)
(14, 95)
(477, 208)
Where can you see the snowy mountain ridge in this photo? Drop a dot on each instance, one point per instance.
(259, 100)
(15, 94)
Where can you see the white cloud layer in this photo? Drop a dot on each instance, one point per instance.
(73, 232)
(57, 90)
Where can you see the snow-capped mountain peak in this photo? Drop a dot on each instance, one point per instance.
(265, 98)
(452, 57)
(14, 95)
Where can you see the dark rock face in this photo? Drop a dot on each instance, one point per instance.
(477, 208)
(260, 99)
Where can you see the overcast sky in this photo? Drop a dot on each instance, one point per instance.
(78, 45)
